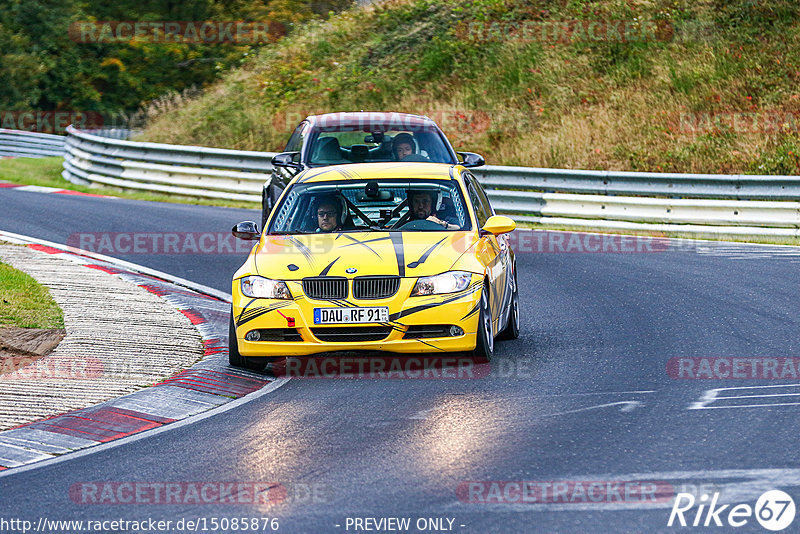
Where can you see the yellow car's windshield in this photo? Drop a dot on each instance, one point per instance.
(371, 205)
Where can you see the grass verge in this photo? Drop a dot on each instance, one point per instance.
(47, 172)
(710, 87)
(26, 303)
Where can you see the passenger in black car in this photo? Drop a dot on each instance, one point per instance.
(403, 149)
(402, 146)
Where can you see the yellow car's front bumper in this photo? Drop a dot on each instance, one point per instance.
(459, 309)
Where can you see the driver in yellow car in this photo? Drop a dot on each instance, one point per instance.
(421, 206)
(328, 215)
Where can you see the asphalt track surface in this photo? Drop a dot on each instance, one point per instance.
(582, 396)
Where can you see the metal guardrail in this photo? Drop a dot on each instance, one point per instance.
(742, 205)
(737, 186)
(23, 144)
(691, 203)
(113, 133)
(693, 216)
(172, 169)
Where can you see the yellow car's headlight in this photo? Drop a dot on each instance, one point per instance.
(448, 282)
(264, 288)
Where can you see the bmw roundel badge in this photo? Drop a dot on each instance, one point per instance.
(350, 270)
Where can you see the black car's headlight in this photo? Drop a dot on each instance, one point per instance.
(448, 282)
(264, 288)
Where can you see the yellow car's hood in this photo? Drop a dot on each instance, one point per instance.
(407, 254)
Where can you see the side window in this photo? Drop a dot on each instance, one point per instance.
(477, 204)
(487, 206)
(296, 140)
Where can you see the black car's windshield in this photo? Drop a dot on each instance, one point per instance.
(337, 145)
(371, 205)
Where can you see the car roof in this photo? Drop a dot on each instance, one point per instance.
(377, 171)
(371, 120)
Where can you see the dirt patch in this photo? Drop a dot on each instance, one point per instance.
(22, 346)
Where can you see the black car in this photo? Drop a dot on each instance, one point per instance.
(359, 137)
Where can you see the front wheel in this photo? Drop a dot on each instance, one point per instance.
(511, 331)
(236, 359)
(484, 343)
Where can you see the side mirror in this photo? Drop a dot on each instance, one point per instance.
(471, 159)
(247, 230)
(286, 159)
(498, 224)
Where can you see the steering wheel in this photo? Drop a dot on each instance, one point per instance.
(415, 158)
(421, 224)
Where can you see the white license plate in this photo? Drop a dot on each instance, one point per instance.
(378, 314)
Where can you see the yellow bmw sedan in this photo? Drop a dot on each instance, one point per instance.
(394, 257)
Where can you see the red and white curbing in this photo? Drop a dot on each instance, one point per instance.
(208, 385)
(44, 189)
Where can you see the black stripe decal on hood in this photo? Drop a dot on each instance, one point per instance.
(364, 243)
(415, 264)
(397, 241)
(304, 250)
(327, 269)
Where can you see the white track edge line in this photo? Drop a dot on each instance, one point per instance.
(200, 288)
(269, 388)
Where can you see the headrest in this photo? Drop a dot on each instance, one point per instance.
(328, 150)
(359, 152)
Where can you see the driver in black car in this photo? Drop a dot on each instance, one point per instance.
(421, 205)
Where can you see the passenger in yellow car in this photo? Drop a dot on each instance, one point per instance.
(421, 206)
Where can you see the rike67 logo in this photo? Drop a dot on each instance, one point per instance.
(774, 510)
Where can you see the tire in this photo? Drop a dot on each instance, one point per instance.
(236, 359)
(484, 342)
(511, 331)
